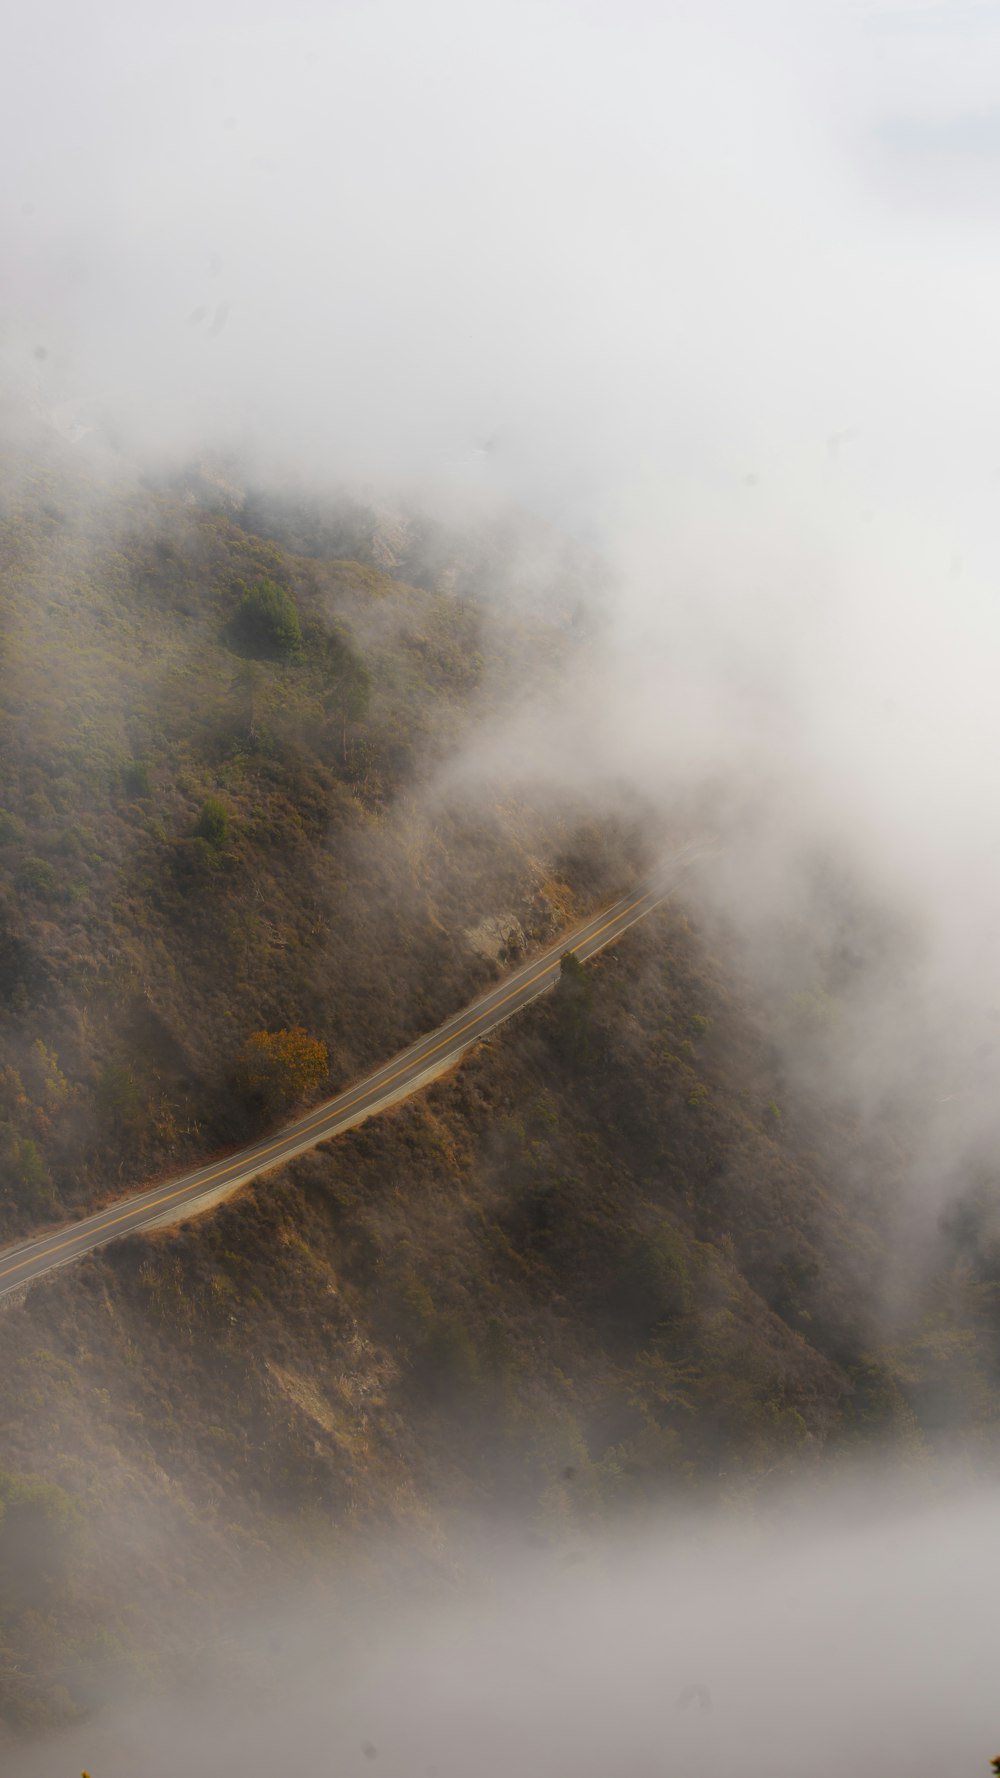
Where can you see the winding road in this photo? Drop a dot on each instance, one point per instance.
(174, 1200)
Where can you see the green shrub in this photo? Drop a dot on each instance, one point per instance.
(41, 1530)
(651, 1284)
(11, 828)
(117, 1096)
(24, 1169)
(38, 877)
(213, 822)
(135, 779)
(265, 624)
(71, 843)
(39, 809)
(347, 680)
(571, 1003)
(195, 864)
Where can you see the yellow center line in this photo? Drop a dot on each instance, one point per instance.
(331, 1110)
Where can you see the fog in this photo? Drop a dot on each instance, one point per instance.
(710, 293)
(851, 1637)
(712, 288)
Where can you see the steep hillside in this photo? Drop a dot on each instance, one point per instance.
(216, 819)
(597, 1268)
(620, 1257)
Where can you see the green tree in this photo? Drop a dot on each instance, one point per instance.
(24, 1169)
(135, 779)
(277, 1068)
(571, 1006)
(265, 624)
(117, 1097)
(41, 1531)
(348, 684)
(247, 685)
(38, 878)
(213, 822)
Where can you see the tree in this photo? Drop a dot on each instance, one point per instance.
(38, 878)
(135, 779)
(246, 684)
(265, 624)
(24, 1169)
(213, 822)
(117, 1097)
(571, 1004)
(41, 1533)
(277, 1068)
(348, 685)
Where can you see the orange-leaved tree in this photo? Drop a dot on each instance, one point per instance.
(277, 1068)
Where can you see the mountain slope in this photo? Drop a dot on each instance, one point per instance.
(585, 1273)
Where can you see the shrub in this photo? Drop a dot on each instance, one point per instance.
(41, 1530)
(347, 682)
(571, 1004)
(651, 1284)
(38, 877)
(213, 822)
(117, 1097)
(266, 624)
(135, 779)
(276, 1068)
(195, 864)
(25, 1170)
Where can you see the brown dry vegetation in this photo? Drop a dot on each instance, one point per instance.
(552, 1287)
(615, 1258)
(198, 841)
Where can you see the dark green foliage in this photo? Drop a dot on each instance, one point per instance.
(213, 822)
(22, 970)
(12, 828)
(117, 1096)
(444, 1363)
(265, 624)
(196, 863)
(37, 877)
(651, 1286)
(135, 779)
(347, 682)
(571, 1003)
(25, 1177)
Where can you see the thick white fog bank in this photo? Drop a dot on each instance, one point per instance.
(832, 1641)
(714, 286)
(711, 288)
(642, 250)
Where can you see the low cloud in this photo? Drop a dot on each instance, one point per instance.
(850, 1636)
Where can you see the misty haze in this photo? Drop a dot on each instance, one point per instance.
(500, 890)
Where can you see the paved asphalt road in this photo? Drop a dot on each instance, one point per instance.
(173, 1200)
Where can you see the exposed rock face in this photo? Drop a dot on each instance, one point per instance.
(498, 936)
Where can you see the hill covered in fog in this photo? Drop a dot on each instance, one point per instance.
(218, 815)
(635, 1251)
